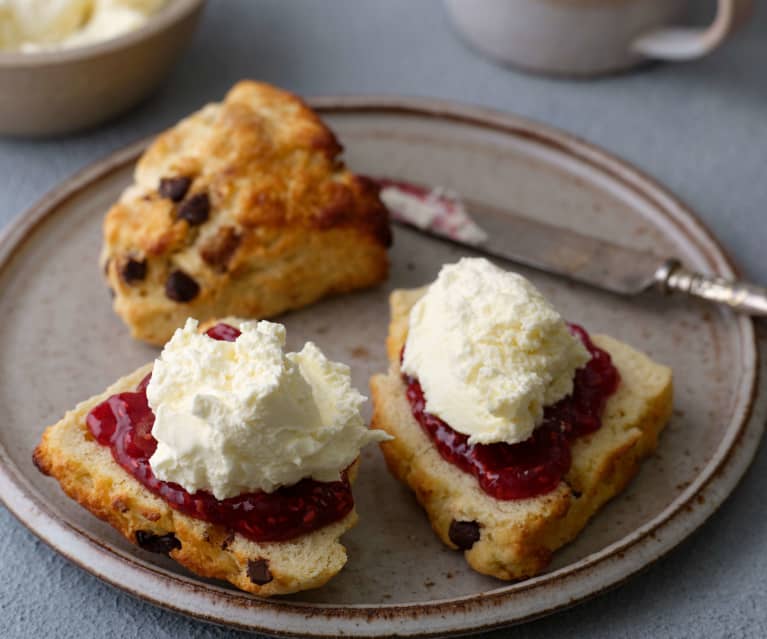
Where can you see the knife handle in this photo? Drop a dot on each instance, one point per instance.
(742, 297)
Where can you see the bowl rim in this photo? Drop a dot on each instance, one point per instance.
(173, 12)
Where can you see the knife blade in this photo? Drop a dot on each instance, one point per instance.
(564, 252)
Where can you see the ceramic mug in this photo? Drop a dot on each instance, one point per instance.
(585, 37)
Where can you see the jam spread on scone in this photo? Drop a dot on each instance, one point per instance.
(500, 383)
(124, 422)
(536, 465)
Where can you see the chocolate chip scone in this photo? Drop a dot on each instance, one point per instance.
(513, 539)
(244, 208)
(89, 472)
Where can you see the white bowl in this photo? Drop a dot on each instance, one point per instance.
(55, 92)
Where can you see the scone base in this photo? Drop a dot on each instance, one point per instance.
(517, 537)
(88, 474)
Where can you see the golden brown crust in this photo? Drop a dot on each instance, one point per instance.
(88, 474)
(517, 538)
(284, 225)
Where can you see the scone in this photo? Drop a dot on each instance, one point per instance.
(292, 545)
(243, 208)
(515, 538)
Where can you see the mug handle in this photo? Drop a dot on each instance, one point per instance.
(681, 43)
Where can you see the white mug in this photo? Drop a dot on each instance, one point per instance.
(586, 37)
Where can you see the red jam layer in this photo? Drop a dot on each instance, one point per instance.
(124, 423)
(537, 465)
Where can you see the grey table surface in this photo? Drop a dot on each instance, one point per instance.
(701, 128)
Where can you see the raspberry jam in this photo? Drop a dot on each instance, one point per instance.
(124, 423)
(537, 465)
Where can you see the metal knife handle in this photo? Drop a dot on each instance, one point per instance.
(742, 297)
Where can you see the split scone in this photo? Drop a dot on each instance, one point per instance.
(243, 208)
(550, 431)
(233, 458)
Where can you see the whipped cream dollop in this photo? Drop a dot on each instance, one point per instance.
(243, 416)
(489, 352)
(35, 25)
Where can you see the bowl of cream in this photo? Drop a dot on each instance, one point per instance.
(67, 65)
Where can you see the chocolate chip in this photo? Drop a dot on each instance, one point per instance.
(174, 188)
(180, 287)
(227, 540)
(577, 494)
(464, 534)
(258, 571)
(195, 210)
(133, 270)
(157, 543)
(218, 249)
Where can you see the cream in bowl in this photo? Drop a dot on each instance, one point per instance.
(39, 25)
(66, 65)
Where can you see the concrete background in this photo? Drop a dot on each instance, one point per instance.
(700, 128)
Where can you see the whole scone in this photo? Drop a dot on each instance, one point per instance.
(243, 208)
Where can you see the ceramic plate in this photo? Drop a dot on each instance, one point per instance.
(61, 343)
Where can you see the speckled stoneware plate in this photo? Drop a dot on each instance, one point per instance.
(61, 343)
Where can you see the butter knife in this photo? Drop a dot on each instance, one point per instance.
(567, 253)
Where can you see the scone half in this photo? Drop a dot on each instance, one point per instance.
(88, 474)
(513, 539)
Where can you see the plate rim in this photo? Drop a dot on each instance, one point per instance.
(31, 510)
